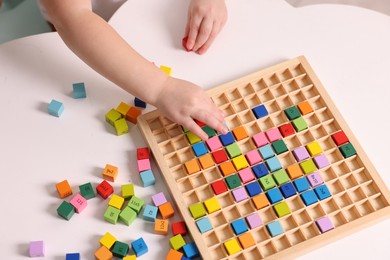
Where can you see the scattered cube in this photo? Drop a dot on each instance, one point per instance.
(267, 182)
(116, 201)
(66, 210)
(143, 153)
(161, 226)
(123, 108)
(86, 190)
(315, 179)
(209, 131)
(108, 240)
(143, 165)
(133, 114)
(174, 255)
(266, 151)
(103, 253)
(79, 90)
(253, 188)
(127, 215)
(64, 189)
(79, 203)
(179, 228)
(121, 127)
(260, 170)
(111, 215)
(191, 250)
(72, 256)
(227, 168)
(192, 138)
(166, 210)
(253, 157)
(147, 178)
(104, 189)
(55, 108)
(281, 177)
(279, 147)
(150, 213)
(139, 103)
(120, 249)
(273, 164)
(139, 247)
(159, 199)
(301, 184)
(233, 150)
(110, 172)
(37, 249)
(322, 192)
(136, 204)
(301, 154)
(127, 190)
(177, 242)
(112, 116)
(294, 171)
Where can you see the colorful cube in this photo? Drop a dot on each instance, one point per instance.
(219, 187)
(159, 199)
(111, 215)
(166, 210)
(227, 138)
(192, 166)
(127, 215)
(275, 228)
(55, 108)
(240, 194)
(177, 242)
(133, 114)
(292, 113)
(240, 133)
(239, 226)
(120, 249)
(139, 247)
(200, 149)
(314, 148)
(103, 253)
(66, 210)
(232, 246)
(86, 190)
(79, 90)
(108, 240)
(282, 209)
(179, 228)
(340, 138)
(274, 195)
(212, 205)
(347, 150)
(123, 108)
(104, 189)
(204, 225)
(246, 175)
(197, 210)
(110, 172)
(127, 190)
(64, 189)
(260, 139)
(136, 204)
(147, 178)
(260, 111)
(161, 226)
(139, 103)
(121, 127)
(112, 116)
(37, 249)
(299, 124)
(286, 130)
(305, 108)
(116, 201)
(79, 203)
(213, 143)
(273, 135)
(150, 213)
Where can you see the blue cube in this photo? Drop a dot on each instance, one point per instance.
(190, 250)
(199, 149)
(239, 226)
(273, 164)
(79, 90)
(72, 256)
(260, 170)
(260, 111)
(322, 192)
(301, 184)
(55, 108)
(288, 190)
(227, 139)
(150, 213)
(274, 228)
(204, 225)
(139, 103)
(139, 247)
(309, 197)
(266, 151)
(274, 195)
(147, 178)
(253, 188)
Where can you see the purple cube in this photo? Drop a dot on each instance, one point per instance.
(301, 154)
(324, 224)
(37, 249)
(321, 161)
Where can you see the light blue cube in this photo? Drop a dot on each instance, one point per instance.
(266, 151)
(79, 90)
(150, 213)
(204, 225)
(147, 178)
(275, 228)
(139, 247)
(190, 250)
(309, 197)
(273, 164)
(55, 108)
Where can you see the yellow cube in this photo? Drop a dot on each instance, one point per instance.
(314, 148)
(123, 108)
(240, 162)
(107, 240)
(129, 257)
(116, 201)
(212, 205)
(166, 69)
(232, 246)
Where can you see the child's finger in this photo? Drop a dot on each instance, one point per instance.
(211, 119)
(216, 29)
(195, 128)
(204, 32)
(194, 25)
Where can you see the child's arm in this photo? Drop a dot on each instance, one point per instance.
(205, 20)
(99, 45)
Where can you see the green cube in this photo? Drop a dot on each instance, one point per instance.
(111, 215)
(347, 150)
(233, 181)
(127, 190)
(192, 138)
(267, 182)
(120, 249)
(197, 210)
(281, 177)
(121, 126)
(209, 131)
(86, 191)
(136, 204)
(292, 113)
(299, 124)
(279, 146)
(185, 130)
(112, 116)
(65, 210)
(177, 242)
(282, 209)
(233, 150)
(127, 215)
(308, 166)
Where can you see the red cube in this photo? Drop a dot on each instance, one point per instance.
(340, 138)
(219, 156)
(287, 129)
(104, 189)
(143, 153)
(179, 228)
(219, 187)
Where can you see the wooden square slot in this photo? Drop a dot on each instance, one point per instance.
(271, 80)
(296, 237)
(212, 174)
(233, 95)
(365, 208)
(220, 99)
(252, 101)
(180, 142)
(217, 219)
(297, 97)
(227, 110)
(268, 249)
(178, 172)
(211, 239)
(278, 90)
(357, 194)
(329, 206)
(184, 185)
(303, 81)
(285, 102)
(246, 90)
(285, 75)
(191, 198)
(205, 193)
(291, 86)
(247, 117)
(265, 96)
(279, 118)
(155, 124)
(288, 223)
(160, 135)
(197, 180)
(282, 243)
(302, 217)
(166, 147)
(310, 231)
(239, 105)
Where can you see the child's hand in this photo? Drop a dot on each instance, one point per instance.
(205, 20)
(182, 102)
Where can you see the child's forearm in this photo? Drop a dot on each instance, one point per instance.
(99, 45)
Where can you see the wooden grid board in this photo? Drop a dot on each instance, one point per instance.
(358, 196)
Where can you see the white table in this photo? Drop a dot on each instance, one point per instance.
(347, 46)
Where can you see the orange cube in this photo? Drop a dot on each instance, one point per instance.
(174, 255)
(133, 114)
(227, 168)
(161, 226)
(206, 161)
(110, 172)
(246, 240)
(166, 210)
(240, 133)
(305, 108)
(103, 253)
(294, 171)
(260, 201)
(192, 166)
(64, 189)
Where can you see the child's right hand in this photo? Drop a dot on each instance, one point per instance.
(182, 102)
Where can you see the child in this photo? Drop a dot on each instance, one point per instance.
(100, 46)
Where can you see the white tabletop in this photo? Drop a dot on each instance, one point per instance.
(347, 47)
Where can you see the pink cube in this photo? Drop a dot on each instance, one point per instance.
(246, 175)
(273, 135)
(260, 139)
(253, 157)
(159, 199)
(214, 143)
(79, 203)
(37, 249)
(143, 165)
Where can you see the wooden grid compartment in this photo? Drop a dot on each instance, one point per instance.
(357, 194)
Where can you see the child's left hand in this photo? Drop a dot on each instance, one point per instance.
(205, 20)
